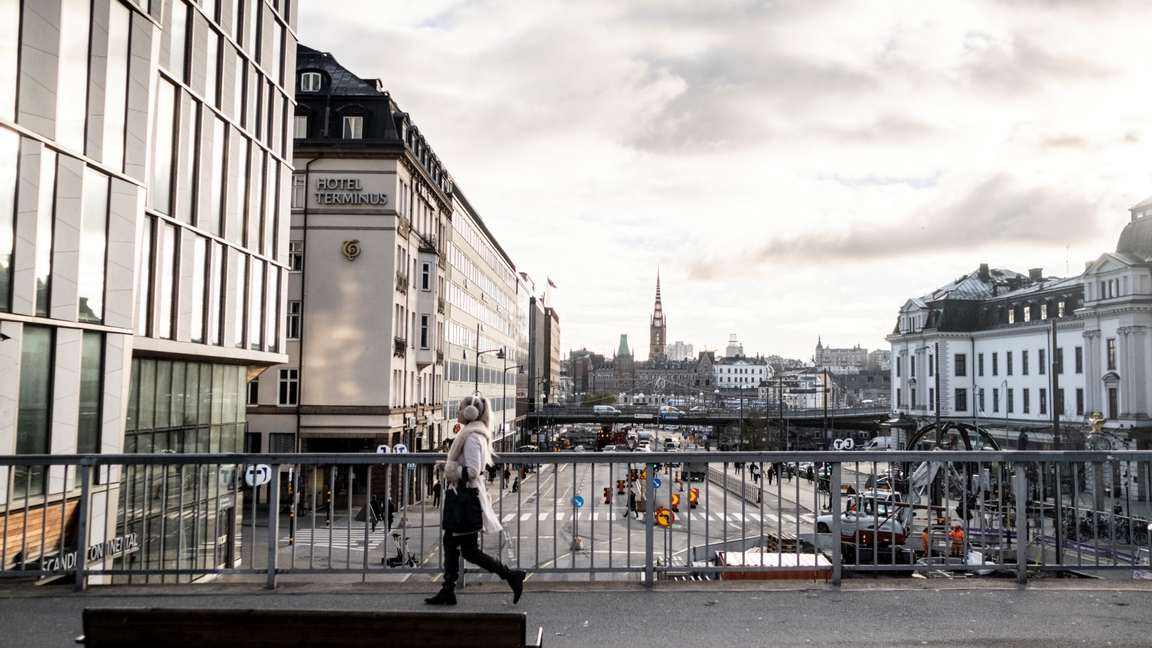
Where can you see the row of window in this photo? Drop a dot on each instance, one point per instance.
(960, 400)
(222, 280)
(960, 362)
(462, 299)
(467, 373)
(471, 271)
(174, 394)
(478, 242)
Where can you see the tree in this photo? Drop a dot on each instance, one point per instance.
(598, 398)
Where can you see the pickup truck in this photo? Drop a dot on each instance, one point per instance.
(870, 514)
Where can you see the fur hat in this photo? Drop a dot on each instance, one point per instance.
(474, 408)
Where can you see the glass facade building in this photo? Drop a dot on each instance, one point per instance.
(143, 242)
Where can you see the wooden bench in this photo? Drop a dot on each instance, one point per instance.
(192, 628)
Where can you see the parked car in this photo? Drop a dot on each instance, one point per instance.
(604, 410)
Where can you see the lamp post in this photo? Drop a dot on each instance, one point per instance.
(504, 402)
(499, 354)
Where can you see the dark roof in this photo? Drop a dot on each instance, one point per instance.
(1136, 239)
(342, 81)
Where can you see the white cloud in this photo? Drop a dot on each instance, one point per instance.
(777, 160)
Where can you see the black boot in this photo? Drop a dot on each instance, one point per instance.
(446, 596)
(515, 580)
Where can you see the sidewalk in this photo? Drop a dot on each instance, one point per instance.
(718, 615)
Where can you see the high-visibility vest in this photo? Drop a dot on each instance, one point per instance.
(957, 536)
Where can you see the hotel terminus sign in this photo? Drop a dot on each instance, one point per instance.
(346, 191)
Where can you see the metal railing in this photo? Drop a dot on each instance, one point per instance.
(179, 517)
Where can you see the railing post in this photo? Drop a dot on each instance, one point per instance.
(82, 527)
(649, 525)
(834, 495)
(273, 524)
(1020, 490)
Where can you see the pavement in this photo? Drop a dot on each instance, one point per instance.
(864, 612)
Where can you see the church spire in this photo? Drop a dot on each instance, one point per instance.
(658, 331)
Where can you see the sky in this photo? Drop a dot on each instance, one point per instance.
(792, 169)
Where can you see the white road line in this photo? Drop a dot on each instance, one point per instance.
(508, 517)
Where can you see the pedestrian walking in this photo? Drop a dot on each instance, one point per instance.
(507, 478)
(389, 512)
(437, 489)
(472, 450)
(377, 509)
(631, 504)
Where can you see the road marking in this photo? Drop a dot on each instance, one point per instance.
(524, 518)
(544, 516)
(508, 517)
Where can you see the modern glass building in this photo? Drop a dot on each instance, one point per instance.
(143, 251)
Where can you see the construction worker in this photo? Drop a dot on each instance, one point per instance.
(927, 547)
(956, 535)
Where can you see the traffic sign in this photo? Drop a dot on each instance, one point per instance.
(656, 482)
(383, 449)
(411, 466)
(843, 444)
(400, 447)
(258, 475)
(675, 501)
(577, 501)
(664, 517)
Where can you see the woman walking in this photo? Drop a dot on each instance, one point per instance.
(471, 451)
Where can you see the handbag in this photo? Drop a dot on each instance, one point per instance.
(462, 512)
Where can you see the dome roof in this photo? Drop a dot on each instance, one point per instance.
(1136, 239)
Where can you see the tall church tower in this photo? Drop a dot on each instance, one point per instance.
(658, 331)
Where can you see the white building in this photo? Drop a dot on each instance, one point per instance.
(982, 346)
(740, 372)
(679, 351)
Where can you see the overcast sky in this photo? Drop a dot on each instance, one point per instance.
(793, 168)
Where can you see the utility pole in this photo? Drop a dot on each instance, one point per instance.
(1056, 401)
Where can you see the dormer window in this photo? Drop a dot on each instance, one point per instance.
(310, 82)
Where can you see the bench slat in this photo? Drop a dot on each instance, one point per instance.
(180, 628)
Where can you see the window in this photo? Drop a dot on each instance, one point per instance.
(1043, 364)
(995, 399)
(296, 256)
(1111, 345)
(1012, 316)
(289, 387)
(310, 82)
(1113, 402)
(961, 364)
(299, 192)
(1079, 359)
(912, 397)
(1028, 313)
(899, 398)
(931, 398)
(1043, 311)
(423, 331)
(1043, 401)
(1058, 403)
(91, 392)
(1060, 309)
(1079, 402)
(34, 418)
(425, 276)
(1011, 405)
(199, 279)
(1027, 401)
(961, 400)
(1008, 362)
(93, 241)
(300, 131)
(72, 73)
(912, 367)
(1058, 360)
(354, 127)
(254, 392)
(995, 364)
(979, 364)
(9, 153)
(1024, 363)
(931, 365)
(980, 400)
(280, 442)
(294, 317)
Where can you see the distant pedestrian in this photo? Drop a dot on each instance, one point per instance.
(389, 512)
(516, 484)
(437, 490)
(376, 508)
(507, 478)
(631, 504)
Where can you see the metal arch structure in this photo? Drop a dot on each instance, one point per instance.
(965, 430)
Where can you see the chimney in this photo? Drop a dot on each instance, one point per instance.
(984, 276)
(1036, 274)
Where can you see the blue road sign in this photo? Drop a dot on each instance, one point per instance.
(656, 482)
(577, 501)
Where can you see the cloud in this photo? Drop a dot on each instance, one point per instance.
(997, 211)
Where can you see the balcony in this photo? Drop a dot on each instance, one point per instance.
(401, 282)
(440, 305)
(399, 347)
